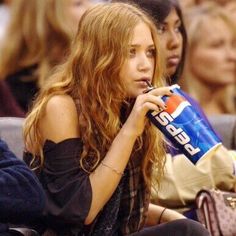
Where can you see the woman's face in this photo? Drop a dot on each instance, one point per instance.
(139, 65)
(171, 42)
(213, 59)
(75, 9)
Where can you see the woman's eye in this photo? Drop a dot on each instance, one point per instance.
(177, 29)
(151, 52)
(132, 52)
(217, 43)
(160, 29)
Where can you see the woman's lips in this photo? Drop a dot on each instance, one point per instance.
(173, 61)
(143, 82)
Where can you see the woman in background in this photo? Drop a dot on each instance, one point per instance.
(20, 52)
(35, 42)
(58, 21)
(209, 72)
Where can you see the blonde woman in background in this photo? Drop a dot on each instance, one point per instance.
(209, 72)
(58, 21)
(35, 42)
(19, 54)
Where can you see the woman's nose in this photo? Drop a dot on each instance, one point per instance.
(144, 63)
(231, 53)
(173, 40)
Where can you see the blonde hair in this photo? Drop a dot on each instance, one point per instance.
(55, 36)
(195, 19)
(41, 36)
(20, 47)
(91, 77)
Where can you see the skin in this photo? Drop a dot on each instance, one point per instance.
(217, 51)
(171, 42)
(61, 109)
(231, 8)
(139, 67)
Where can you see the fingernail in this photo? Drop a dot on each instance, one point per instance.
(148, 89)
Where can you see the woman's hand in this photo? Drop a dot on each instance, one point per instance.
(145, 102)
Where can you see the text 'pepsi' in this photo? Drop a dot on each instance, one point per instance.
(183, 126)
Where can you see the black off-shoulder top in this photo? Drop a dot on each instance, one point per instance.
(67, 186)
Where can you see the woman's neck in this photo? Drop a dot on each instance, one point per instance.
(212, 99)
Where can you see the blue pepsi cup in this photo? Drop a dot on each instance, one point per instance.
(184, 127)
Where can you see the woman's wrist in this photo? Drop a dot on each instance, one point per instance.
(161, 216)
(168, 215)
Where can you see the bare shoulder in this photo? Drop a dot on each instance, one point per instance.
(60, 120)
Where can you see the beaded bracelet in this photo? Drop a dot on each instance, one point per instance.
(113, 169)
(159, 221)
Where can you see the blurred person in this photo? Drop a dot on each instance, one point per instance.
(22, 198)
(35, 42)
(20, 52)
(209, 72)
(231, 8)
(4, 17)
(89, 131)
(59, 22)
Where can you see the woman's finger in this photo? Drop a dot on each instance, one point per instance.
(161, 91)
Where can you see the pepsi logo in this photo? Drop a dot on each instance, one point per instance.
(175, 105)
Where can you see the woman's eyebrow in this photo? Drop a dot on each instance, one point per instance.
(139, 45)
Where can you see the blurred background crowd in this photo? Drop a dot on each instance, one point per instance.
(35, 35)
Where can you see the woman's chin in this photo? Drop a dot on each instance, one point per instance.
(171, 71)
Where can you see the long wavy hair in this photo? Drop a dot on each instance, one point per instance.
(91, 77)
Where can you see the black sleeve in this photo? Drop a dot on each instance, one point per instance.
(22, 198)
(67, 185)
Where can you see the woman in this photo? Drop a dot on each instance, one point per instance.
(59, 22)
(88, 129)
(213, 86)
(20, 52)
(35, 42)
